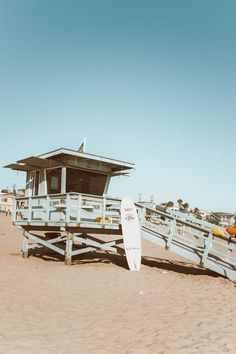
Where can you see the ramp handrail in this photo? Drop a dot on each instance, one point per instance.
(193, 239)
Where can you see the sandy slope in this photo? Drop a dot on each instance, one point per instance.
(98, 306)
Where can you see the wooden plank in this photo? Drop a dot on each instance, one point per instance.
(44, 243)
(89, 242)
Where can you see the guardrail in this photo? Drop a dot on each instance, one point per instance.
(192, 239)
(70, 209)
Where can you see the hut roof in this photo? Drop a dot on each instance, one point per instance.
(72, 158)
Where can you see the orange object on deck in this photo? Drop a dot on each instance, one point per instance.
(231, 230)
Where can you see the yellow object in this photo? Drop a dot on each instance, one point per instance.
(103, 220)
(218, 231)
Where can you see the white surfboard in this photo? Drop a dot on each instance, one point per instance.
(131, 234)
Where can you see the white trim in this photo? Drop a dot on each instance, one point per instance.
(63, 179)
(34, 180)
(45, 182)
(129, 165)
(107, 185)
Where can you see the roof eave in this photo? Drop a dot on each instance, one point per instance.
(83, 155)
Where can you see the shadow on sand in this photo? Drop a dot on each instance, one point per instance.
(120, 261)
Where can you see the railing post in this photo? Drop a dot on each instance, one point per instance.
(171, 235)
(47, 209)
(103, 209)
(207, 247)
(68, 208)
(141, 214)
(79, 209)
(29, 210)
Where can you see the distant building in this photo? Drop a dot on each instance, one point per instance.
(225, 219)
(174, 208)
(7, 198)
(219, 218)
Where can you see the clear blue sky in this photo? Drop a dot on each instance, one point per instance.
(150, 82)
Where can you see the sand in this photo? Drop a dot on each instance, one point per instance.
(98, 306)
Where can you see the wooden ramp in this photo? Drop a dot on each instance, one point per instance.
(190, 238)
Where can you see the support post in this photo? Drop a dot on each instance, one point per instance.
(68, 252)
(25, 250)
(172, 233)
(207, 247)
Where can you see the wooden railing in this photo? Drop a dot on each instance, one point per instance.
(192, 239)
(70, 209)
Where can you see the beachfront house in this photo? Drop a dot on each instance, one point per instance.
(7, 199)
(226, 219)
(6, 202)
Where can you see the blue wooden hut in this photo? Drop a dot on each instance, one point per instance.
(66, 196)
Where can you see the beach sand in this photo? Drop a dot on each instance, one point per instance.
(98, 306)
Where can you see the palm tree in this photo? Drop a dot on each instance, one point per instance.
(197, 213)
(169, 205)
(184, 207)
(180, 202)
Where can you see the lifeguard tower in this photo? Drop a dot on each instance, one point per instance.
(66, 200)
(66, 207)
